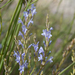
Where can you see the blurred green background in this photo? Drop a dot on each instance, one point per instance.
(62, 19)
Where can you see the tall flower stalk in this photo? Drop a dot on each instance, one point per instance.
(40, 54)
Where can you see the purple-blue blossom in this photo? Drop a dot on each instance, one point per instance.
(20, 21)
(21, 69)
(50, 59)
(23, 54)
(20, 43)
(33, 12)
(20, 34)
(30, 22)
(17, 57)
(47, 34)
(25, 15)
(44, 43)
(35, 46)
(24, 29)
(25, 64)
(29, 45)
(40, 58)
(51, 28)
(41, 50)
(32, 6)
(50, 42)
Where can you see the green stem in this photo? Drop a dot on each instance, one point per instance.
(7, 35)
(0, 21)
(5, 4)
(34, 1)
(66, 68)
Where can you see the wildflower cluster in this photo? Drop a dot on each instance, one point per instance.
(40, 54)
(19, 55)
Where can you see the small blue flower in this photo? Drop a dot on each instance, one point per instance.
(24, 29)
(28, 11)
(40, 58)
(14, 54)
(32, 6)
(44, 43)
(25, 64)
(20, 21)
(20, 43)
(29, 45)
(20, 34)
(41, 50)
(50, 42)
(33, 12)
(51, 28)
(21, 69)
(50, 59)
(30, 22)
(17, 56)
(35, 46)
(23, 54)
(25, 15)
(47, 34)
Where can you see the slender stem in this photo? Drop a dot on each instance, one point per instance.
(34, 1)
(5, 4)
(32, 71)
(66, 68)
(0, 21)
(8, 34)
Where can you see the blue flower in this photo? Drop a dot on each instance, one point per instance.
(35, 46)
(21, 69)
(23, 54)
(44, 43)
(28, 11)
(50, 59)
(20, 43)
(17, 56)
(24, 29)
(41, 50)
(51, 28)
(47, 34)
(20, 21)
(33, 12)
(20, 34)
(25, 64)
(32, 6)
(25, 15)
(29, 45)
(40, 58)
(30, 22)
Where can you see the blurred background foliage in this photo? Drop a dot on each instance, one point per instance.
(62, 19)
